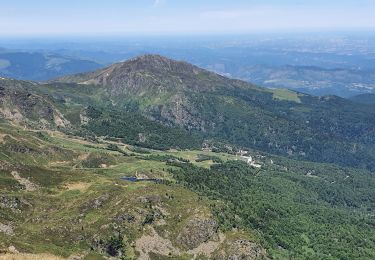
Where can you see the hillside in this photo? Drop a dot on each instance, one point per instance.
(153, 75)
(145, 160)
(62, 196)
(26, 103)
(21, 105)
(313, 80)
(40, 66)
(367, 99)
(276, 121)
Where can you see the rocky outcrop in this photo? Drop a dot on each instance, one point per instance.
(178, 111)
(153, 243)
(6, 229)
(196, 232)
(241, 249)
(20, 104)
(12, 203)
(244, 249)
(94, 204)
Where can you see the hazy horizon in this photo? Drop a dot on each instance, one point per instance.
(42, 18)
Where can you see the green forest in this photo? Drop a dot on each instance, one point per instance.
(299, 213)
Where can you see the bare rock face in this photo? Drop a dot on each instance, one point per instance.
(244, 249)
(182, 113)
(178, 111)
(94, 204)
(12, 203)
(154, 243)
(196, 232)
(6, 229)
(18, 103)
(241, 249)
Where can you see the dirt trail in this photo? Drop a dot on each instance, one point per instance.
(29, 186)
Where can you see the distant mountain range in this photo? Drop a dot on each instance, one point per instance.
(40, 66)
(318, 73)
(312, 80)
(368, 99)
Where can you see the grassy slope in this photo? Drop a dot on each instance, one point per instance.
(285, 94)
(77, 202)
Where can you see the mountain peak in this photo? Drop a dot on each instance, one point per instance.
(150, 74)
(151, 58)
(155, 62)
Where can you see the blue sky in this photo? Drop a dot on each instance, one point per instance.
(147, 17)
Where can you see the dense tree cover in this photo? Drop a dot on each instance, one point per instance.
(135, 129)
(301, 210)
(328, 129)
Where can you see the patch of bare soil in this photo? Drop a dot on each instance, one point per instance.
(13, 115)
(11, 253)
(81, 186)
(83, 157)
(19, 256)
(29, 186)
(2, 138)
